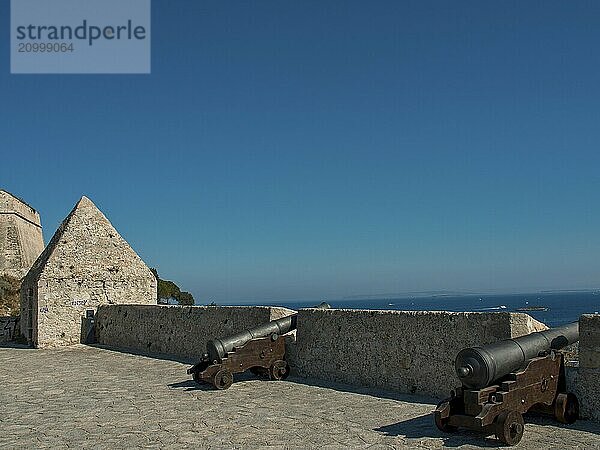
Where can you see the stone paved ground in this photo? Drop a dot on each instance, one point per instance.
(83, 397)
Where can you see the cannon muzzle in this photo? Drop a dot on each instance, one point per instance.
(478, 367)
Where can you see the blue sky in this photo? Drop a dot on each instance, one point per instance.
(308, 150)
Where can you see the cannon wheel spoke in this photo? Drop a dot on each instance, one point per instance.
(510, 427)
(223, 379)
(279, 370)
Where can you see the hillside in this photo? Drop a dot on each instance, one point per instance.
(169, 290)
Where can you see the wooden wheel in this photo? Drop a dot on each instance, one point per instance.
(566, 408)
(223, 379)
(510, 427)
(279, 370)
(442, 423)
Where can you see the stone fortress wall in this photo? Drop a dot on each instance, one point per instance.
(587, 381)
(403, 351)
(21, 240)
(407, 352)
(181, 332)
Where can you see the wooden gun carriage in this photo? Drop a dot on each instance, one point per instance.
(503, 381)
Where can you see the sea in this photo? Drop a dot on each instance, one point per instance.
(559, 307)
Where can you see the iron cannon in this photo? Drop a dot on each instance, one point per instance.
(479, 367)
(260, 349)
(219, 348)
(504, 380)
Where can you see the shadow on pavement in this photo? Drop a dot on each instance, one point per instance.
(373, 392)
(15, 345)
(580, 425)
(191, 385)
(136, 352)
(423, 427)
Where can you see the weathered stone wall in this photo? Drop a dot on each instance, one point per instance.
(61, 304)
(21, 240)
(410, 352)
(13, 204)
(588, 378)
(10, 289)
(86, 264)
(173, 330)
(8, 328)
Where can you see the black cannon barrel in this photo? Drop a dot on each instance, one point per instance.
(218, 348)
(478, 367)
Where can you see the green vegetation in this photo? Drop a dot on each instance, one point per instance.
(167, 289)
(9, 296)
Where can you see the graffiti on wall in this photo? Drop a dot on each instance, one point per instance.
(8, 328)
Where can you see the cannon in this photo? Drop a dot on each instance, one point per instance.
(260, 349)
(504, 380)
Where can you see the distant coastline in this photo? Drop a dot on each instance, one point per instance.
(558, 307)
(432, 294)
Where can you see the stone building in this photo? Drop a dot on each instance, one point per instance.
(21, 240)
(86, 264)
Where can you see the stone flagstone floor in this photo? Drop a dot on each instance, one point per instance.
(87, 397)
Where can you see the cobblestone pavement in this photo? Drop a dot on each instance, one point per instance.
(85, 397)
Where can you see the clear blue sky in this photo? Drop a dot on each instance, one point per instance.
(310, 149)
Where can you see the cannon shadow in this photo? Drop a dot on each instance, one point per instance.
(191, 385)
(130, 351)
(581, 425)
(424, 427)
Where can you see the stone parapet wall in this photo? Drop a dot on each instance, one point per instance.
(174, 330)
(406, 352)
(588, 378)
(409, 352)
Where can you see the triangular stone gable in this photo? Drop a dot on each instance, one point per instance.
(87, 246)
(86, 264)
